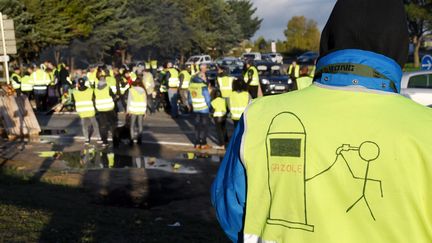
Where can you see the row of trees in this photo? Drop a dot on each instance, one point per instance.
(97, 29)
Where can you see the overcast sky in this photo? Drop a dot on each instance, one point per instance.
(277, 13)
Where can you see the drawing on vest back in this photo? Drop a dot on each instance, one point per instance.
(368, 152)
(286, 164)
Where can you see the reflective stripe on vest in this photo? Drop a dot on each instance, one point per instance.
(15, 85)
(26, 83)
(123, 89)
(40, 80)
(225, 85)
(173, 81)
(219, 106)
(186, 79)
(104, 101)
(138, 105)
(255, 76)
(198, 100)
(84, 103)
(238, 104)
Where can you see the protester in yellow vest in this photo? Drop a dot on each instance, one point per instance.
(41, 80)
(27, 83)
(83, 97)
(294, 70)
(136, 108)
(238, 100)
(304, 80)
(104, 102)
(172, 79)
(16, 80)
(185, 79)
(224, 82)
(219, 107)
(251, 77)
(345, 160)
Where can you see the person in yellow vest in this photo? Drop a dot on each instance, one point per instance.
(238, 100)
(16, 80)
(219, 107)
(224, 83)
(41, 80)
(294, 70)
(27, 83)
(345, 160)
(149, 85)
(154, 67)
(137, 108)
(251, 77)
(172, 78)
(104, 103)
(83, 98)
(185, 79)
(304, 80)
(199, 99)
(91, 77)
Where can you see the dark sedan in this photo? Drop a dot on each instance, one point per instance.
(272, 78)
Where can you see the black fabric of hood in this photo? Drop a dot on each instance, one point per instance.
(378, 26)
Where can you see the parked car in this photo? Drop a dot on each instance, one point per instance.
(254, 56)
(307, 57)
(418, 87)
(273, 79)
(273, 57)
(231, 63)
(199, 59)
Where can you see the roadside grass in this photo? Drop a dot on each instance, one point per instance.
(33, 211)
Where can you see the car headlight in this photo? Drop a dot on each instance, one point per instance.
(290, 81)
(265, 81)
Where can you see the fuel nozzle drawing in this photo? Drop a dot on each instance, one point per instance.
(368, 152)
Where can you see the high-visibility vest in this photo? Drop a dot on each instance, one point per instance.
(84, 103)
(26, 83)
(194, 69)
(133, 76)
(238, 103)
(186, 79)
(15, 84)
(41, 79)
(294, 71)
(360, 174)
(103, 99)
(219, 107)
(153, 64)
(173, 81)
(304, 82)
(125, 88)
(312, 73)
(198, 101)
(148, 82)
(138, 105)
(112, 83)
(92, 79)
(255, 76)
(225, 85)
(147, 65)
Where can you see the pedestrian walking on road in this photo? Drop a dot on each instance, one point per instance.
(239, 100)
(106, 115)
(172, 78)
(251, 78)
(199, 99)
(136, 109)
(219, 107)
(41, 80)
(83, 98)
(185, 78)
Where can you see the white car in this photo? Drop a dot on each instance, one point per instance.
(199, 59)
(276, 57)
(418, 87)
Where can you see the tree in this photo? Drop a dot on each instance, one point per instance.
(419, 23)
(244, 12)
(302, 34)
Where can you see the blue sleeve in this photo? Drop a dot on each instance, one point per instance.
(206, 95)
(228, 192)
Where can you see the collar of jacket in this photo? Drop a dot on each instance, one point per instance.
(380, 63)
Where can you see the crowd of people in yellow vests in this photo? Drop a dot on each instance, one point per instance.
(100, 93)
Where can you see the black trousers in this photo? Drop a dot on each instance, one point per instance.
(107, 122)
(41, 99)
(202, 122)
(221, 130)
(253, 91)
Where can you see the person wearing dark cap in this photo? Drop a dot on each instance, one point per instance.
(345, 160)
(251, 77)
(84, 99)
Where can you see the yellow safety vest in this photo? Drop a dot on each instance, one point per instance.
(92, 79)
(103, 99)
(219, 107)
(112, 83)
(225, 85)
(153, 64)
(186, 79)
(304, 82)
(173, 81)
(342, 167)
(15, 84)
(238, 103)
(196, 94)
(125, 88)
(26, 83)
(41, 79)
(84, 103)
(255, 76)
(138, 105)
(296, 71)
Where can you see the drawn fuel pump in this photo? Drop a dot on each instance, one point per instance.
(286, 161)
